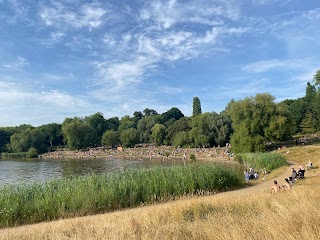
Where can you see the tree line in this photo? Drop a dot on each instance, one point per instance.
(248, 124)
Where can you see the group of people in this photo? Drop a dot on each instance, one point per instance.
(250, 174)
(295, 175)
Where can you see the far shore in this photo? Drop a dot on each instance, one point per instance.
(144, 152)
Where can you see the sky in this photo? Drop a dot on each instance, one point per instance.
(66, 58)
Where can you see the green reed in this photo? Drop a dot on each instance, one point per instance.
(260, 161)
(23, 204)
(6, 155)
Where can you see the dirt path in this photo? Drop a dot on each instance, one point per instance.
(265, 185)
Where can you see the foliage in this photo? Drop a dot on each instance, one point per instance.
(196, 106)
(174, 113)
(129, 137)
(32, 153)
(110, 138)
(99, 124)
(256, 121)
(78, 134)
(158, 134)
(25, 204)
(181, 139)
(145, 125)
(30, 137)
(260, 161)
(192, 157)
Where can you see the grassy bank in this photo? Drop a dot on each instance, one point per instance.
(250, 213)
(93, 194)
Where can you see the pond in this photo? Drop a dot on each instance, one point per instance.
(15, 171)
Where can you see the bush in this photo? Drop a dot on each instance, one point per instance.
(192, 157)
(32, 153)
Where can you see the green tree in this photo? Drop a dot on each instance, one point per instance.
(4, 139)
(113, 123)
(149, 112)
(183, 124)
(126, 122)
(23, 141)
(316, 79)
(196, 107)
(129, 137)
(255, 121)
(110, 138)
(158, 133)
(77, 134)
(174, 113)
(145, 125)
(181, 139)
(202, 133)
(53, 134)
(99, 124)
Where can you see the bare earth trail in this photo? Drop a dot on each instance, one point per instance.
(264, 185)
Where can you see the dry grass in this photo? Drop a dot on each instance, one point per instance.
(254, 214)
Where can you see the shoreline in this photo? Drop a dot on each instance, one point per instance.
(160, 153)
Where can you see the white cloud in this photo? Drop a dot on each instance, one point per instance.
(124, 73)
(89, 16)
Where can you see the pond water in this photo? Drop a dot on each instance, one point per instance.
(15, 171)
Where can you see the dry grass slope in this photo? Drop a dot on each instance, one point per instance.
(242, 214)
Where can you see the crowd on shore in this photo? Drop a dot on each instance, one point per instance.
(141, 152)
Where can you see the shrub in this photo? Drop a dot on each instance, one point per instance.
(32, 153)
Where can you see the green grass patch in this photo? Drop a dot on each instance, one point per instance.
(6, 155)
(24, 204)
(260, 161)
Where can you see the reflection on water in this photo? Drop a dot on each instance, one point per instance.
(34, 170)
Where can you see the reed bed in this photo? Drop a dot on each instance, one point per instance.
(23, 204)
(5, 155)
(261, 161)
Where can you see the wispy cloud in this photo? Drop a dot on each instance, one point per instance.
(18, 64)
(60, 15)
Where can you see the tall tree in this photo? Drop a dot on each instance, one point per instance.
(196, 106)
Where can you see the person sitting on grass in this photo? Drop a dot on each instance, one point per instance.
(287, 185)
(301, 171)
(294, 174)
(275, 188)
(309, 165)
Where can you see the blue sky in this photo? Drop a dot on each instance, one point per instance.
(66, 58)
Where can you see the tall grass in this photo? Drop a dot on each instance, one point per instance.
(5, 155)
(92, 194)
(260, 161)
